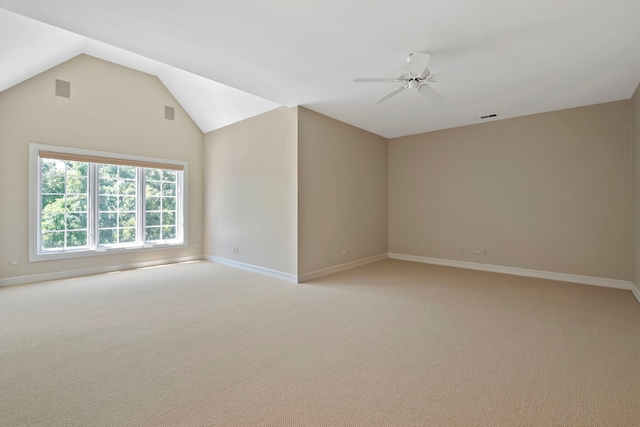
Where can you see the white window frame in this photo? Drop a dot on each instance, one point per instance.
(35, 200)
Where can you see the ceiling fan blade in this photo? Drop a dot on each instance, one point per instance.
(418, 63)
(457, 75)
(390, 94)
(429, 92)
(367, 79)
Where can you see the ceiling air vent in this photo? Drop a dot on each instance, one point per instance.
(63, 88)
(168, 112)
(488, 116)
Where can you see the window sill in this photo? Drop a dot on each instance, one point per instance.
(81, 253)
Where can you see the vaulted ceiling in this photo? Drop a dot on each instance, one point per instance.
(228, 60)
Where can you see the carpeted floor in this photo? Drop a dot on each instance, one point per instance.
(388, 344)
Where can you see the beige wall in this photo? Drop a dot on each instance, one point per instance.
(635, 135)
(343, 193)
(112, 108)
(547, 192)
(293, 189)
(251, 196)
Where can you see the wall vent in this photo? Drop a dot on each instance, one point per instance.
(168, 112)
(488, 116)
(63, 88)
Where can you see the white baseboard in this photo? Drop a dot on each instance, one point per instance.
(341, 267)
(251, 267)
(19, 280)
(563, 277)
(635, 291)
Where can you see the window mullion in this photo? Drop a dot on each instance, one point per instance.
(93, 206)
(179, 210)
(140, 200)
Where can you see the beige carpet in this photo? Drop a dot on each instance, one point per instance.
(388, 344)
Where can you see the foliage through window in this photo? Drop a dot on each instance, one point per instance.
(102, 205)
(64, 204)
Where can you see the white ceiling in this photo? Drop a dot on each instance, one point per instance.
(511, 57)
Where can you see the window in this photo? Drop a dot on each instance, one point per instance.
(87, 203)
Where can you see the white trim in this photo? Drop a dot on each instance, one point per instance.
(251, 267)
(563, 277)
(341, 267)
(19, 280)
(635, 291)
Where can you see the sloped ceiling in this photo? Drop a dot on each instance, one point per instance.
(510, 57)
(29, 47)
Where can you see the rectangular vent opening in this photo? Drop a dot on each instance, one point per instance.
(488, 116)
(168, 112)
(63, 88)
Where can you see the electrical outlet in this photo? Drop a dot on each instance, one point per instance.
(344, 252)
(14, 262)
(477, 252)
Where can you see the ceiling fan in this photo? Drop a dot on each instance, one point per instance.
(416, 76)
